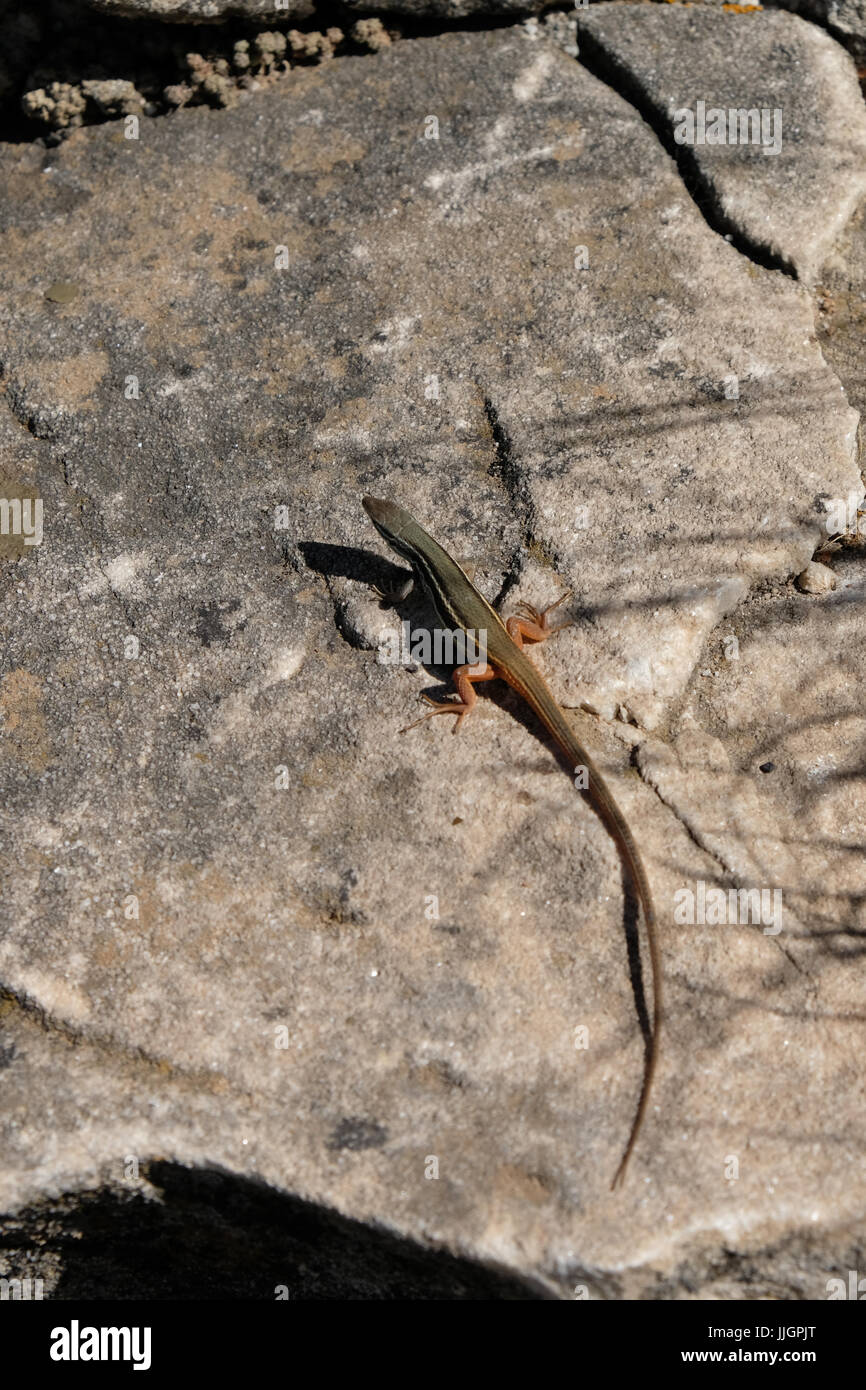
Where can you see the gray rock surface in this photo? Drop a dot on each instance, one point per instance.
(792, 204)
(841, 297)
(845, 19)
(206, 11)
(247, 925)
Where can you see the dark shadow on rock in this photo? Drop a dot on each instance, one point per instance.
(348, 562)
(217, 1235)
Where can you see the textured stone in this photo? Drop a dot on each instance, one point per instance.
(792, 204)
(841, 297)
(769, 764)
(845, 19)
(247, 925)
(210, 10)
(207, 11)
(816, 578)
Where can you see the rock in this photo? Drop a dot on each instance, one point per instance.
(202, 11)
(790, 204)
(248, 926)
(841, 296)
(845, 19)
(207, 11)
(557, 26)
(816, 578)
(768, 777)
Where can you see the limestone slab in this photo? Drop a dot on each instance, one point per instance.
(229, 878)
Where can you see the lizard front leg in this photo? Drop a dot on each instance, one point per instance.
(528, 625)
(394, 593)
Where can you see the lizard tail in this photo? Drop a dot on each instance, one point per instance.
(616, 823)
(533, 689)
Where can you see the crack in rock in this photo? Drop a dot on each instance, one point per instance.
(762, 112)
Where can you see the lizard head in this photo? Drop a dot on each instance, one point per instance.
(391, 521)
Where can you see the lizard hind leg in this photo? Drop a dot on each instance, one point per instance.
(464, 678)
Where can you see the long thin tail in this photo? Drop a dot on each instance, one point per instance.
(616, 823)
(536, 693)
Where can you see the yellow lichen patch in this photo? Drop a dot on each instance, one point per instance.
(23, 729)
(200, 908)
(216, 233)
(106, 952)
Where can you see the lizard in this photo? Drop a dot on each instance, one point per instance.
(460, 606)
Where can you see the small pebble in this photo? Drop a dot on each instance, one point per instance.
(816, 578)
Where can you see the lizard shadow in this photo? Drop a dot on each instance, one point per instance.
(349, 562)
